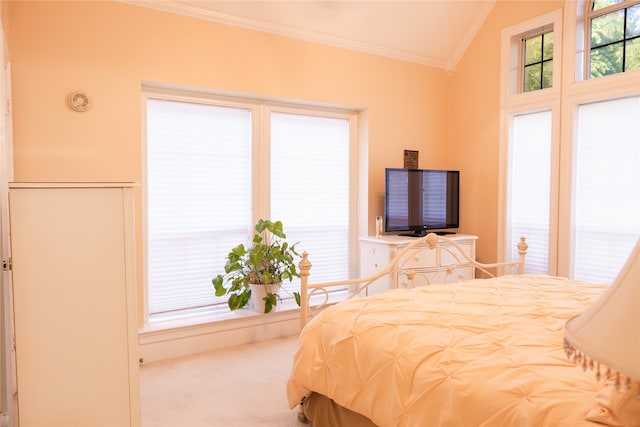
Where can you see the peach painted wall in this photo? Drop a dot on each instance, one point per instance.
(474, 113)
(108, 48)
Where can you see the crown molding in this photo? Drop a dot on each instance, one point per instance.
(469, 35)
(192, 11)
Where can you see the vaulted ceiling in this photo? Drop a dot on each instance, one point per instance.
(430, 32)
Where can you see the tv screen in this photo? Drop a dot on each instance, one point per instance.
(421, 200)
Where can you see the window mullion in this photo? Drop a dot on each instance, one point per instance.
(261, 164)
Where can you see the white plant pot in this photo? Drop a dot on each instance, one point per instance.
(258, 292)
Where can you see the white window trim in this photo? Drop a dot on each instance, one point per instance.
(574, 80)
(575, 64)
(569, 91)
(188, 335)
(157, 91)
(514, 102)
(352, 117)
(577, 90)
(510, 95)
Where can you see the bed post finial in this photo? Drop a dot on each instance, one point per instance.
(305, 270)
(522, 251)
(432, 240)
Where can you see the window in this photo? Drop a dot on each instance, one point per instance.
(570, 154)
(538, 62)
(529, 139)
(527, 56)
(529, 186)
(187, 184)
(614, 36)
(310, 187)
(606, 187)
(216, 165)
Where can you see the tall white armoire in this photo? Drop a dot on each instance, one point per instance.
(73, 255)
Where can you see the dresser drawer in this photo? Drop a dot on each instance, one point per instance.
(446, 258)
(424, 277)
(419, 258)
(417, 278)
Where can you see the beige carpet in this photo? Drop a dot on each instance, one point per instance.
(243, 386)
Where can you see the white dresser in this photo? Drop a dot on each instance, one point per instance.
(73, 255)
(429, 266)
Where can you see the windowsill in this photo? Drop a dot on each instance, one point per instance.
(285, 310)
(214, 316)
(178, 336)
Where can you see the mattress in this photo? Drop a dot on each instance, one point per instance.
(477, 353)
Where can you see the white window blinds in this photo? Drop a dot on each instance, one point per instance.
(201, 202)
(310, 184)
(607, 187)
(529, 187)
(198, 199)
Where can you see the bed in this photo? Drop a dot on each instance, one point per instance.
(483, 352)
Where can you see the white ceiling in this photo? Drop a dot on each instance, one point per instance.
(430, 32)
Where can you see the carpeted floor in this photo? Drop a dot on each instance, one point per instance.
(242, 386)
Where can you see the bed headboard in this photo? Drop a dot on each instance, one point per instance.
(358, 286)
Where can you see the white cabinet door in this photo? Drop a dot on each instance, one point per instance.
(74, 301)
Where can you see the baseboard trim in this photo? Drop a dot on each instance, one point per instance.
(157, 343)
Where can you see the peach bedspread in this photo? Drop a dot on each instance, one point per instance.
(477, 353)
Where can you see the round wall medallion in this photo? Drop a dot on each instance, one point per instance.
(78, 101)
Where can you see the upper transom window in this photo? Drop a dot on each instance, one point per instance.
(613, 37)
(538, 61)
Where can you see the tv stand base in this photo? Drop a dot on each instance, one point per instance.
(423, 233)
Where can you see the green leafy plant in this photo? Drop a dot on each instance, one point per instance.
(269, 260)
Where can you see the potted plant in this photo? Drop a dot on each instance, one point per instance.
(258, 270)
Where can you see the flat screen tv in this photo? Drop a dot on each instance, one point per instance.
(419, 201)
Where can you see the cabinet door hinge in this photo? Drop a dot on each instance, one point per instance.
(6, 264)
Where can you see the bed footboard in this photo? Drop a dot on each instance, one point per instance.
(358, 287)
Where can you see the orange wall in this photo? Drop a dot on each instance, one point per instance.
(473, 118)
(108, 49)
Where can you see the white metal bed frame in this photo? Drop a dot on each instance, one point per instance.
(357, 286)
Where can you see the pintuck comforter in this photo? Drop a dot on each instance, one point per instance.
(477, 353)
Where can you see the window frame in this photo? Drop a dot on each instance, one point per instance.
(512, 58)
(578, 90)
(589, 15)
(261, 108)
(542, 31)
(514, 102)
(570, 90)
